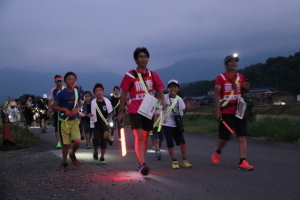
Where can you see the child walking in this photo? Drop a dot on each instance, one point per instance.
(85, 117)
(68, 102)
(175, 106)
(102, 109)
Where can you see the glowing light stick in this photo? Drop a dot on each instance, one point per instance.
(227, 126)
(123, 142)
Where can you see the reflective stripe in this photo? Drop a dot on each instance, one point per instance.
(142, 82)
(231, 94)
(130, 75)
(101, 115)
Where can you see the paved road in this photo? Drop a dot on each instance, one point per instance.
(276, 174)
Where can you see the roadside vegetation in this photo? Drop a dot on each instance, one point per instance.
(22, 136)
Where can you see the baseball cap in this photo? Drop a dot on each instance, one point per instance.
(230, 58)
(13, 103)
(173, 82)
(45, 96)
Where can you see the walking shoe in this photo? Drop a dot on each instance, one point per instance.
(175, 164)
(74, 159)
(88, 145)
(120, 139)
(64, 167)
(244, 165)
(138, 167)
(112, 138)
(186, 164)
(58, 145)
(158, 155)
(145, 169)
(215, 159)
(102, 160)
(110, 142)
(43, 131)
(95, 158)
(82, 138)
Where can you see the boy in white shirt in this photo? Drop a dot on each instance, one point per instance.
(175, 107)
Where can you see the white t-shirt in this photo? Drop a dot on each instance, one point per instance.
(12, 114)
(178, 109)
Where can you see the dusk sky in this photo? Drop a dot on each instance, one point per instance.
(86, 35)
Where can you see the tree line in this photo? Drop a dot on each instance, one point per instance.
(279, 73)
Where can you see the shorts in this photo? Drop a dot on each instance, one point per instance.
(171, 134)
(69, 131)
(140, 122)
(100, 138)
(239, 125)
(55, 121)
(86, 126)
(44, 117)
(158, 135)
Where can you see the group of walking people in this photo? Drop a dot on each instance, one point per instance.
(161, 115)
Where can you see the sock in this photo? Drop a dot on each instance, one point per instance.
(218, 151)
(241, 160)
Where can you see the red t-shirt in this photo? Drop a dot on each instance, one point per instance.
(226, 88)
(132, 85)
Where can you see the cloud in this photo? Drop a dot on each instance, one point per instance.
(103, 34)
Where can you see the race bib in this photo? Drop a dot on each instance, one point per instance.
(241, 108)
(148, 106)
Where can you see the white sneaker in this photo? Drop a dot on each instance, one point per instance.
(112, 138)
(120, 139)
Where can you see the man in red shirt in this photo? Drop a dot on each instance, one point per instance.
(141, 126)
(228, 89)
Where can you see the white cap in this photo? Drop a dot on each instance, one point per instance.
(13, 103)
(45, 96)
(173, 81)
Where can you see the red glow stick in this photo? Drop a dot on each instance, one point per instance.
(227, 126)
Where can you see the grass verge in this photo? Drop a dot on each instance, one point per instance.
(23, 138)
(275, 129)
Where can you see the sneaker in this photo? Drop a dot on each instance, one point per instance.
(186, 164)
(110, 142)
(158, 155)
(143, 169)
(102, 160)
(74, 159)
(58, 145)
(120, 139)
(43, 131)
(215, 159)
(245, 166)
(175, 164)
(95, 157)
(88, 145)
(64, 167)
(112, 138)
(82, 138)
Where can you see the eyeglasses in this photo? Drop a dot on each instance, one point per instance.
(141, 57)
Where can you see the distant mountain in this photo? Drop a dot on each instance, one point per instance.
(18, 82)
(191, 70)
